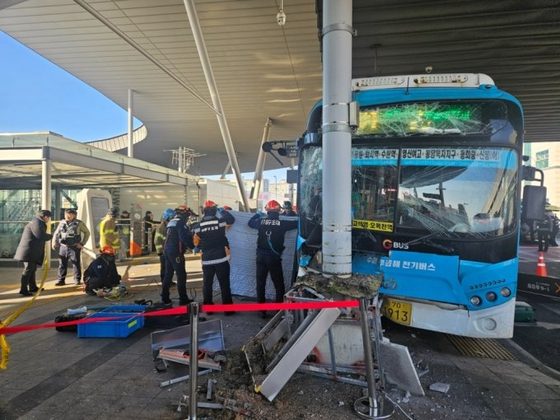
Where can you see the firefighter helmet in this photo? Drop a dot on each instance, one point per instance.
(210, 203)
(108, 250)
(272, 205)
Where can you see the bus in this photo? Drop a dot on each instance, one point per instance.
(436, 180)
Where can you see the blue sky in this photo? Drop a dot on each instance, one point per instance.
(36, 95)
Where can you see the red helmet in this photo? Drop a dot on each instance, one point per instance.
(108, 250)
(210, 203)
(227, 208)
(273, 205)
(181, 208)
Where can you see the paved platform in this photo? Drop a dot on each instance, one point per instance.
(55, 375)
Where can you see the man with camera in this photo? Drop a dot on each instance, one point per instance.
(70, 236)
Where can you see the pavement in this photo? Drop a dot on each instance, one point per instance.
(55, 375)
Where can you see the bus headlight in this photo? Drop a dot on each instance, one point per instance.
(476, 301)
(491, 296)
(505, 292)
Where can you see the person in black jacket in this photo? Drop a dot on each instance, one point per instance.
(102, 272)
(545, 232)
(287, 209)
(270, 244)
(178, 239)
(31, 250)
(210, 237)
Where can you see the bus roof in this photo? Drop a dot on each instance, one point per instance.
(455, 80)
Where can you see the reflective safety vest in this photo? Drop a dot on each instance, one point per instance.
(108, 234)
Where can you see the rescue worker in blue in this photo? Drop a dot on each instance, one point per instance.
(178, 239)
(102, 272)
(210, 236)
(270, 244)
(70, 236)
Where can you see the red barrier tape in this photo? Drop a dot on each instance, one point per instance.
(236, 307)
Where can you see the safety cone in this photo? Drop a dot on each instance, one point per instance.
(541, 266)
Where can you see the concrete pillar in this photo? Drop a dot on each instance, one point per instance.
(337, 136)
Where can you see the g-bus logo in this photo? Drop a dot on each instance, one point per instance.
(389, 244)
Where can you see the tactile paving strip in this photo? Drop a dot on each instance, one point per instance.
(480, 347)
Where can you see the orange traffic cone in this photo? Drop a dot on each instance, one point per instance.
(541, 266)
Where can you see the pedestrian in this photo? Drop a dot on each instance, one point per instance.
(555, 228)
(544, 232)
(31, 250)
(148, 230)
(108, 232)
(102, 272)
(210, 236)
(70, 236)
(270, 245)
(287, 209)
(178, 240)
(159, 240)
(123, 225)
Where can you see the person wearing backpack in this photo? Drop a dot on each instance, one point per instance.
(270, 244)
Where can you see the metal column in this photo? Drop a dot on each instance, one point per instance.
(257, 180)
(216, 101)
(337, 136)
(46, 198)
(130, 129)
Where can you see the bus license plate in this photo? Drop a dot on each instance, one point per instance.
(397, 311)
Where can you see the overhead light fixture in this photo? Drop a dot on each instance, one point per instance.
(281, 16)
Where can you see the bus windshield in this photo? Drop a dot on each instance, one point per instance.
(453, 192)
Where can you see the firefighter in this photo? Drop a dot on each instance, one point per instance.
(102, 272)
(270, 244)
(210, 237)
(108, 232)
(159, 240)
(287, 209)
(178, 239)
(70, 236)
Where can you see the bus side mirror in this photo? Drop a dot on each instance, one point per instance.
(529, 173)
(534, 202)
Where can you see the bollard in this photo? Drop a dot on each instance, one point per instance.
(372, 406)
(193, 360)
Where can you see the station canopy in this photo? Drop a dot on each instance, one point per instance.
(75, 165)
(264, 70)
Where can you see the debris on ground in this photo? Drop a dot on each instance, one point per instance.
(356, 286)
(440, 387)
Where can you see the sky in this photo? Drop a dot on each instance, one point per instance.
(36, 95)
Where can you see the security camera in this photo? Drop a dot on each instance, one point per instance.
(281, 18)
(429, 69)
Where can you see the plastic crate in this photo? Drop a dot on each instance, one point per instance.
(122, 327)
(125, 308)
